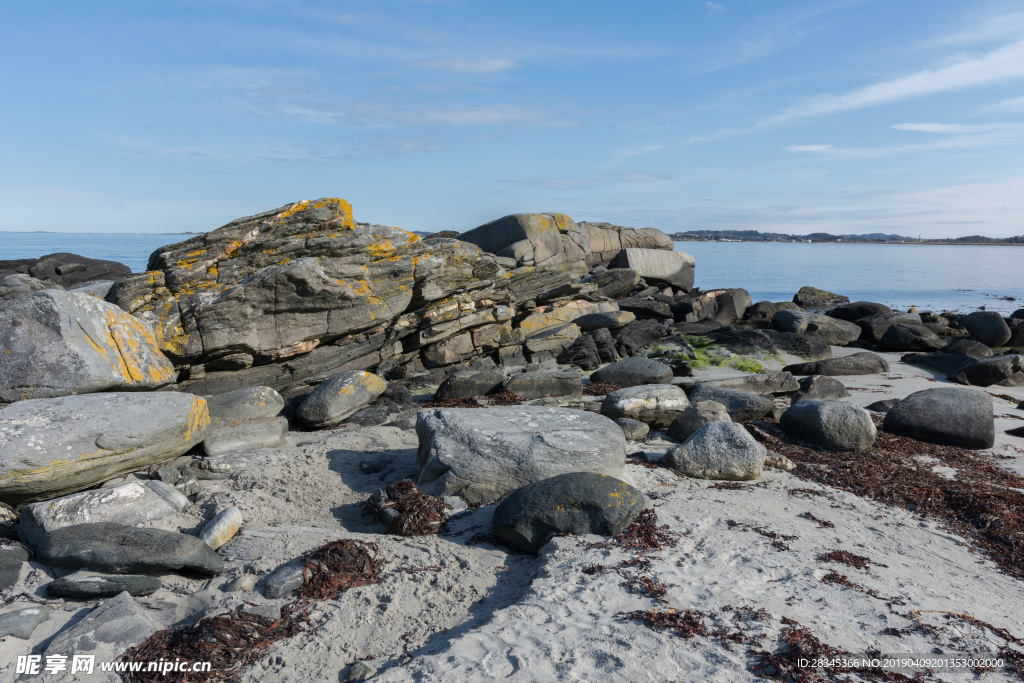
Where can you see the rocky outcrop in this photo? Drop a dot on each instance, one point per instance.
(55, 446)
(725, 306)
(485, 454)
(535, 239)
(673, 268)
(607, 240)
(58, 343)
(65, 270)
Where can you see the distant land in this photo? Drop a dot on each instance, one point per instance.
(870, 238)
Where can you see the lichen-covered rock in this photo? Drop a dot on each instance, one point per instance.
(245, 403)
(55, 446)
(339, 397)
(654, 404)
(484, 454)
(58, 343)
(222, 527)
(572, 503)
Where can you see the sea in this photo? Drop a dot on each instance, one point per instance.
(901, 276)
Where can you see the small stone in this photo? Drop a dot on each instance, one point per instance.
(221, 528)
(283, 581)
(361, 671)
(777, 461)
(91, 585)
(242, 583)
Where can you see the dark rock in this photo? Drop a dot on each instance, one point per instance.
(1016, 332)
(632, 372)
(819, 386)
(466, 384)
(902, 337)
(764, 310)
(1016, 431)
(863, 363)
(654, 404)
(607, 240)
(608, 346)
(763, 385)
(616, 283)
(701, 328)
(835, 425)
(486, 453)
(988, 371)
(89, 585)
(883, 406)
(635, 337)
(719, 450)
(988, 327)
(282, 581)
(583, 353)
(802, 345)
(874, 327)
(370, 416)
(1018, 314)
(832, 330)
(632, 429)
(537, 383)
(859, 309)
(967, 346)
(12, 557)
(810, 297)
(65, 270)
(945, 415)
(724, 306)
(645, 309)
(534, 239)
(741, 405)
(573, 503)
(126, 549)
(946, 364)
(609, 319)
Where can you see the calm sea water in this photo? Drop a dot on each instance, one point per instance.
(900, 276)
(930, 277)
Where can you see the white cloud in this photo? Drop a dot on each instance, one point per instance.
(469, 66)
(713, 9)
(1015, 104)
(809, 148)
(953, 142)
(1003, 64)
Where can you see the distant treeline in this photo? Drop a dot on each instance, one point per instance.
(875, 237)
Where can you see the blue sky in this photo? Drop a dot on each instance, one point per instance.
(846, 116)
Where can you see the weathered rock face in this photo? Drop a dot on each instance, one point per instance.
(573, 503)
(945, 415)
(819, 386)
(58, 343)
(725, 306)
(859, 309)
(51, 447)
(535, 239)
(695, 416)
(901, 337)
(607, 240)
(484, 454)
(673, 268)
(17, 286)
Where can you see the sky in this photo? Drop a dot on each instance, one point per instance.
(845, 116)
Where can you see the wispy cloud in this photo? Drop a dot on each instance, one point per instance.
(1015, 104)
(713, 9)
(1002, 64)
(953, 127)
(874, 152)
(469, 66)
(981, 27)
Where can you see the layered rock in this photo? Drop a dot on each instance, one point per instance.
(607, 240)
(535, 239)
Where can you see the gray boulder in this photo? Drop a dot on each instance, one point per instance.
(966, 346)
(123, 549)
(484, 454)
(874, 327)
(609, 319)
(467, 383)
(55, 446)
(832, 330)
(834, 425)
(59, 343)
(719, 450)
(764, 310)
(853, 312)
(607, 240)
(819, 386)
(988, 327)
(134, 503)
(228, 435)
(988, 371)
(657, 265)
(537, 383)
(111, 628)
(945, 415)
(863, 363)
(632, 372)
(883, 406)
(741, 405)
(20, 623)
(812, 297)
(725, 306)
(65, 270)
(534, 239)
(902, 337)
(654, 404)
(249, 402)
(92, 585)
(283, 580)
(340, 397)
(695, 416)
(573, 503)
(632, 429)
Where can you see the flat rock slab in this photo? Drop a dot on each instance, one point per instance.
(534, 384)
(340, 397)
(229, 435)
(58, 343)
(863, 363)
(719, 450)
(485, 454)
(466, 384)
(654, 404)
(92, 585)
(765, 384)
(572, 503)
(133, 503)
(12, 557)
(741, 405)
(55, 446)
(248, 402)
(125, 549)
(949, 416)
(633, 372)
(20, 623)
(610, 319)
(670, 267)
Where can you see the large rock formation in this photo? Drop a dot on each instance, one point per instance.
(607, 240)
(57, 343)
(65, 270)
(535, 239)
